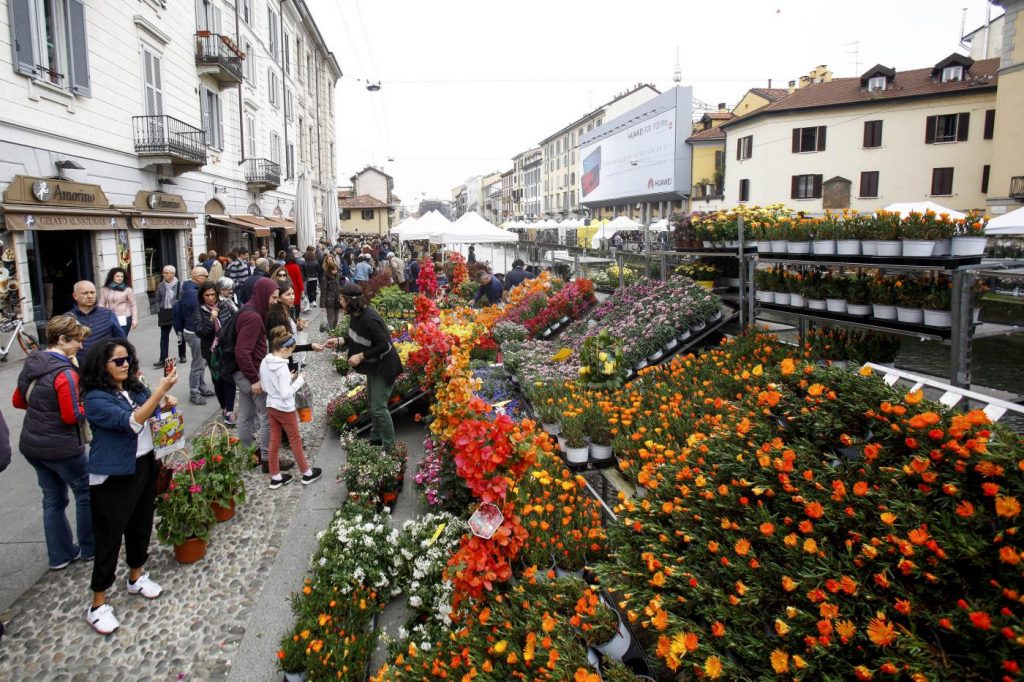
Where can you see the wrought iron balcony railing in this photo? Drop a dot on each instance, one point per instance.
(165, 135)
(219, 56)
(262, 172)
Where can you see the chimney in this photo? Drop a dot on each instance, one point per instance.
(792, 87)
(769, 83)
(721, 106)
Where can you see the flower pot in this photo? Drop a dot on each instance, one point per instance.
(655, 356)
(190, 551)
(848, 247)
(577, 455)
(835, 305)
(388, 498)
(698, 326)
(618, 645)
(798, 247)
(717, 316)
(764, 246)
(732, 244)
(816, 304)
(765, 296)
(918, 248)
(706, 283)
(299, 676)
(600, 452)
(551, 429)
(968, 246)
(779, 246)
(781, 298)
(685, 334)
(869, 247)
(565, 318)
(890, 248)
(671, 344)
(706, 244)
(942, 247)
(566, 573)
(909, 315)
(858, 309)
(824, 247)
(640, 364)
(796, 300)
(883, 312)
(223, 513)
(561, 443)
(937, 318)
(546, 334)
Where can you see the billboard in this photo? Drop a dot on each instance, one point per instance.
(640, 154)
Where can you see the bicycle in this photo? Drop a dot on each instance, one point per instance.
(10, 323)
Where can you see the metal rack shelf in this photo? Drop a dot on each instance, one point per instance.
(888, 326)
(944, 263)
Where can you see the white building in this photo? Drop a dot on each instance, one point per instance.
(526, 184)
(140, 133)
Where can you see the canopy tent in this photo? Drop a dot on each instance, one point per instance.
(404, 226)
(1008, 223)
(661, 226)
(906, 208)
(620, 224)
(470, 228)
(426, 225)
(305, 215)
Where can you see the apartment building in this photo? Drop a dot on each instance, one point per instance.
(506, 195)
(1006, 186)
(139, 133)
(526, 184)
(866, 142)
(562, 188)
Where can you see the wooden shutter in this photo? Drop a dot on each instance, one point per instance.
(821, 138)
(153, 90)
(869, 130)
(817, 186)
(78, 48)
(990, 123)
(929, 129)
(796, 140)
(739, 149)
(750, 146)
(744, 190)
(201, 23)
(984, 178)
(205, 115)
(22, 36)
(962, 125)
(794, 187)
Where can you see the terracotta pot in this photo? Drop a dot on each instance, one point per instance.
(395, 399)
(191, 551)
(305, 414)
(388, 498)
(223, 513)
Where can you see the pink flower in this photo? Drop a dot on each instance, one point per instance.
(195, 489)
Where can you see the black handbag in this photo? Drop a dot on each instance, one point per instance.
(165, 317)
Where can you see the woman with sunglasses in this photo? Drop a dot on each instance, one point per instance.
(122, 470)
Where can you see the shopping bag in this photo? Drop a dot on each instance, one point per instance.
(304, 403)
(168, 431)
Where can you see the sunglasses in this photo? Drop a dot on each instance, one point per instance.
(121, 362)
(289, 343)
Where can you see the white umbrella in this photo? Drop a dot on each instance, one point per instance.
(305, 217)
(426, 225)
(906, 208)
(1008, 223)
(331, 225)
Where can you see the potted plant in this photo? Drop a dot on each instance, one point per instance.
(799, 237)
(347, 409)
(600, 626)
(764, 285)
(854, 229)
(795, 284)
(834, 289)
(600, 432)
(341, 363)
(824, 234)
(882, 295)
(920, 232)
(782, 288)
(224, 463)
(780, 234)
(292, 658)
(936, 304)
(185, 514)
(573, 434)
(969, 236)
(602, 364)
(889, 234)
(908, 301)
(858, 296)
(813, 291)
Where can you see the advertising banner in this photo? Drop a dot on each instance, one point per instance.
(636, 161)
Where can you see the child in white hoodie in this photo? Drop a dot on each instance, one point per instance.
(276, 380)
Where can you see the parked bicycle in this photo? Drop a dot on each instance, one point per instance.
(14, 324)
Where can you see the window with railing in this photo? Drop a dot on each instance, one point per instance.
(1017, 187)
(163, 134)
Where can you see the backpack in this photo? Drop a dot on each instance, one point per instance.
(223, 356)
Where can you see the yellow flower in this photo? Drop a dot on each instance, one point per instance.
(602, 356)
(609, 367)
(780, 661)
(500, 647)
(713, 667)
(781, 628)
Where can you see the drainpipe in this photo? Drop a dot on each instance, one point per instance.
(241, 106)
(284, 91)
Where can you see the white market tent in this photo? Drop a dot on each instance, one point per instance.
(906, 208)
(661, 226)
(1008, 223)
(608, 230)
(426, 225)
(470, 228)
(404, 226)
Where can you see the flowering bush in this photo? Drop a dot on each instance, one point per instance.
(571, 301)
(225, 462)
(602, 361)
(344, 410)
(358, 549)
(426, 282)
(369, 469)
(184, 510)
(426, 544)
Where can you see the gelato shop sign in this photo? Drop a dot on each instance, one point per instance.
(50, 192)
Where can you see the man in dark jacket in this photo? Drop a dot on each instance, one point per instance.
(238, 269)
(184, 323)
(102, 321)
(250, 349)
(490, 288)
(261, 271)
(5, 457)
(517, 275)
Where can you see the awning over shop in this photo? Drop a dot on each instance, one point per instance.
(55, 218)
(238, 223)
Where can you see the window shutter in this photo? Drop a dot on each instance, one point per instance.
(78, 49)
(201, 16)
(962, 126)
(739, 149)
(817, 186)
(216, 28)
(21, 37)
(219, 120)
(990, 123)
(929, 129)
(204, 114)
(878, 134)
(796, 143)
(868, 136)
(821, 138)
(984, 178)
(750, 146)
(794, 187)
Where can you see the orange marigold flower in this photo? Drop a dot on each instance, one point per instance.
(713, 665)
(860, 488)
(788, 583)
(863, 673)
(914, 397)
(1007, 505)
(981, 620)
(780, 661)
(742, 546)
(787, 366)
(871, 451)
(880, 632)
(965, 509)
(903, 606)
(815, 390)
(845, 629)
(767, 528)
(888, 518)
(1008, 555)
(718, 629)
(814, 510)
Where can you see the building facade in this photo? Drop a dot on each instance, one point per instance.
(374, 182)
(139, 133)
(364, 215)
(526, 184)
(506, 195)
(867, 142)
(1006, 186)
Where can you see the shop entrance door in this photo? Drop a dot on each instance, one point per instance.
(57, 260)
(161, 247)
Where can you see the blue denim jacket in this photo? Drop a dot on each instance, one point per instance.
(114, 443)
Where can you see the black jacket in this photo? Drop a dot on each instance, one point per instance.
(204, 327)
(245, 291)
(5, 443)
(330, 291)
(44, 435)
(367, 334)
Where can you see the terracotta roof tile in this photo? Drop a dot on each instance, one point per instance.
(719, 115)
(709, 134)
(772, 94)
(362, 201)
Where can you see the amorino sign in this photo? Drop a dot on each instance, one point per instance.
(159, 201)
(54, 192)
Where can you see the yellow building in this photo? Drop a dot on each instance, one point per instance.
(1006, 181)
(364, 215)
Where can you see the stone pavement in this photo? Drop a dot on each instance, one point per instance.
(221, 616)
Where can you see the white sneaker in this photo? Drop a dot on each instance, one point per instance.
(144, 586)
(102, 619)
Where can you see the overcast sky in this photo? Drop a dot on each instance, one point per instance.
(467, 85)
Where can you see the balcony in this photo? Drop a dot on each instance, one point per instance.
(217, 56)
(262, 174)
(1017, 187)
(706, 193)
(166, 141)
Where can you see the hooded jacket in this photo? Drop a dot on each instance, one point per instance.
(276, 379)
(250, 330)
(369, 335)
(54, 410)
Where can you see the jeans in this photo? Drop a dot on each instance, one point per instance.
(197, 370)
(122, 506)
(251, 416)
(165, 337)
(55, 477)
(311, 290)
(378, 392)
(127, 326)
(225, 389)
(289, 423)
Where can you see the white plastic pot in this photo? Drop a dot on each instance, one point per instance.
(909, 315)
(600, 452)
(796, 300)
(765, 296)
(942, 247)
(655, 356)
(918, 248)
(779, 246)
(671, 344)
(781, 298)
(869, 247)
(836, 305)
(551, 429)
(617, 646)
(764, 246)
(816, 304)
(640, 364)
(890, 248)
(859, 309)
(848, 247)
(938, 318)
(577, 455)
(798, 247)
(824, 247)
(883, 312)
(968, 246)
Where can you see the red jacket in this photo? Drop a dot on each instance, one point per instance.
(296, 275)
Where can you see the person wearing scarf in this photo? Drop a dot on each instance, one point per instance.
(119, 298)
(213, 313)
(167, 293)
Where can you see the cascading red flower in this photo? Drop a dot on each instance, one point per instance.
(427, 280)
(460, 273)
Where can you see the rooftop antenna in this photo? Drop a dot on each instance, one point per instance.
(856, 55)
(677, 75)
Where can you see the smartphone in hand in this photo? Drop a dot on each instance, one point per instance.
(168, 366)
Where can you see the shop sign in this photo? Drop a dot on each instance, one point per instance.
(63, 221)
(160, 201)
(50, 192)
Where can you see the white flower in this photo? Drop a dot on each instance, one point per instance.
(415, 601)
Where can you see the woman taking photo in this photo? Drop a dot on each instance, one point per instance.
(370, 352)
(117, 295)
(213, 313)
(53, 438)
(122, 470)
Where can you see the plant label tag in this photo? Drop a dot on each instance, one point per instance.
(994, 412)
(355, 391)
(949, 399)
(485, 520)
(437, 534)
